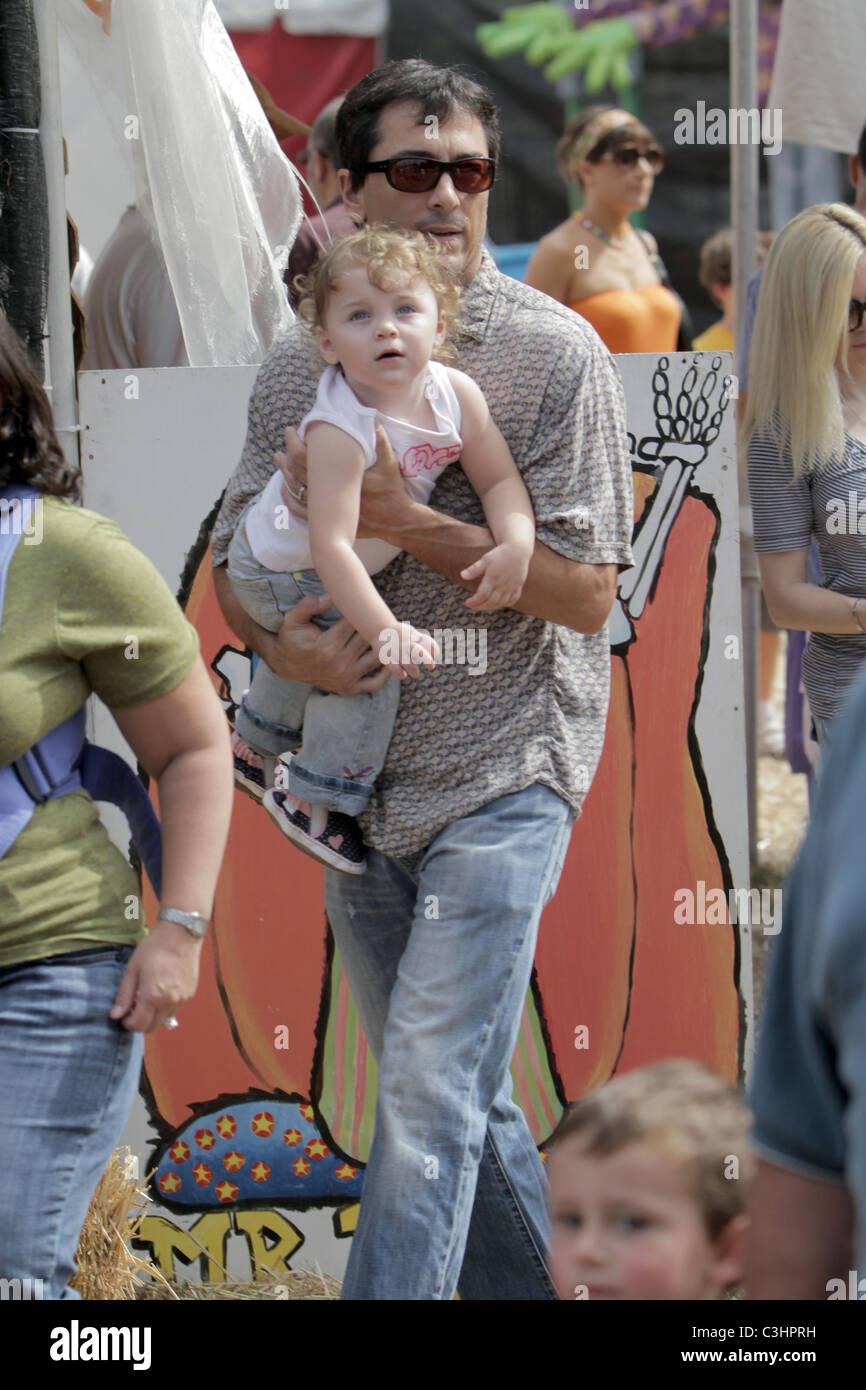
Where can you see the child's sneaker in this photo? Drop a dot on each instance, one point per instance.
(329, 836)
(253, 773)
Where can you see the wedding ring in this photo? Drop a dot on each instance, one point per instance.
(301, 493)
(170, 1022)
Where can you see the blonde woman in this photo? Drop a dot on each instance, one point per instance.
(595, 262)
(804, 433)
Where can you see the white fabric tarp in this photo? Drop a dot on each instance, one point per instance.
(819, 78)
(358, 18)
(208, 171)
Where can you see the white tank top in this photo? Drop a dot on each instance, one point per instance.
(281, 542)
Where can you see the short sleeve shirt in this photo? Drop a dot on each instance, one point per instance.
(532, 704)
(787, 513)
(84, 612)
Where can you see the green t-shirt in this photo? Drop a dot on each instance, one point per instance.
(84, 612)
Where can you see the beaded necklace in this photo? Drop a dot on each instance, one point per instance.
(616, 242)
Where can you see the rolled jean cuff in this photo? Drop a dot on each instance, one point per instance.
(263, 735)
(339, 793)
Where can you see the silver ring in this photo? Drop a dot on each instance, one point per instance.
(170, 1022)
(301, 493)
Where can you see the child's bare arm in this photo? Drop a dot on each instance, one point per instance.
(487, 463)
(335, 468)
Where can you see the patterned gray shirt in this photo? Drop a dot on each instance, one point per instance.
(464, 734)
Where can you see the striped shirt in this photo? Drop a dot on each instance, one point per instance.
(538, 711)
(831, 506)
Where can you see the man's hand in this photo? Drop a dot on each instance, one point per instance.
(385, 503)
(337, 660)
(502, 571)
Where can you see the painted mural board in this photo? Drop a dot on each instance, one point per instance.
(257, 1112)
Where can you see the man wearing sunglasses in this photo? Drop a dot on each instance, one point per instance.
(470, 821)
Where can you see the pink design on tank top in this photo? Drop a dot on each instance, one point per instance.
(421, 457)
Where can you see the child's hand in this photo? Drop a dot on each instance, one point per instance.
(503, 571)
(404, 647)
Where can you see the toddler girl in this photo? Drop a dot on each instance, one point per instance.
(382, 303)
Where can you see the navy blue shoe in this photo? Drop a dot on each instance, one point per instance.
(333, 838)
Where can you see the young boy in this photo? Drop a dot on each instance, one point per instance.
(717, 255)
(648, 1179)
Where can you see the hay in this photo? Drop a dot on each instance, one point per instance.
(107, 1266)
(109, 1269)
(293, 1284)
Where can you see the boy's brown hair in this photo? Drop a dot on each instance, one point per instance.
(388, 254)
(683, 1108)
(717, 256)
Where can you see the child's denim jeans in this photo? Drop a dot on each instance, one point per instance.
(343, 738)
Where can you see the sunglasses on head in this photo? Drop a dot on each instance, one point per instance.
(417, 174)
(856, 310)
(628, 155)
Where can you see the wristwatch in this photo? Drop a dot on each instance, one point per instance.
(194, 922)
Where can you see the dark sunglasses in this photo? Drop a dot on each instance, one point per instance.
(856, 310)
(415, 174)
(629, 155)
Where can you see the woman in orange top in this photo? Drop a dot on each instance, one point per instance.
(595, 262)
(648, 823)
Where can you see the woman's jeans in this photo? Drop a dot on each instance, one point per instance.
(438, 951)
(343, 738)
(823, 732)
(68, 1076)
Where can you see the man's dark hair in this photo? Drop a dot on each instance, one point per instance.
(861, 150)
(434, 91)
(323, 136)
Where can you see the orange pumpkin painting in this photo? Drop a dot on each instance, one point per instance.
(618, 982)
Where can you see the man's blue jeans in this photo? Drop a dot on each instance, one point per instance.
(68, 1075)
(438, 952)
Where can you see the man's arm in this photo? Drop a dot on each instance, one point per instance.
(574, 462)
(800, 1234)
(337, 660)
(575, 465)
(575, 595)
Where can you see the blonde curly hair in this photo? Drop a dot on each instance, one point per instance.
(390, 256)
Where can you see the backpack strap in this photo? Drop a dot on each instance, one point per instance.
(63, 761)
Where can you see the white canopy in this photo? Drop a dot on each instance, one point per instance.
(819, 79)
(208, 172)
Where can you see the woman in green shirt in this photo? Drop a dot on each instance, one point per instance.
(80, 979)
